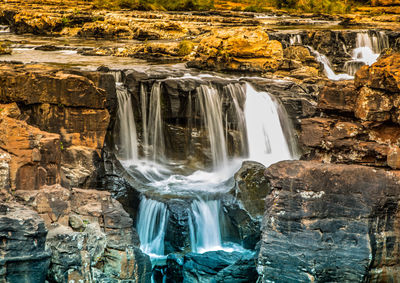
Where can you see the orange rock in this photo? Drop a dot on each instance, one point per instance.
(35, 154)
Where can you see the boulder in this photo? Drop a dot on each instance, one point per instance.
(204, 267)
(238, 49)
(214, 266)
(251, 187)
(23, 255)
(330, 222)
(384, 74)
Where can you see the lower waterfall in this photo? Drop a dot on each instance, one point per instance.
(151, 224)
(204, 226)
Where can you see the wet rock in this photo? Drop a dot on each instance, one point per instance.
(326, 222)
(204, 267)
(216, 266)
(23, 255)
(242, 271)
(177, 234)
(238, 224)
(238, 49)
(251, 187)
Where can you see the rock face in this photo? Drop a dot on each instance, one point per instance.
(23, 257)
(61, 118)
(239, 49)
(35, 154)
(359, 123)
(326, 222)
(90, 235)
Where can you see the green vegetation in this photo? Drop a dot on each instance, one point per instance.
(185, 47)
(308, 6)
(178, 5)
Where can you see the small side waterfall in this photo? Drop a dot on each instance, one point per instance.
(127, 146)
(368, 49)
(205, 234)
(151, 226)
(328, 68)
(295, 39)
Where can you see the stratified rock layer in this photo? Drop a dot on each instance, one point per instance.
(330, 223)
(23, 257)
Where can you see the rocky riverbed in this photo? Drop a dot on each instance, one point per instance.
(71, 207)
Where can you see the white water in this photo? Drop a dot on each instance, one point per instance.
(261, 138)
(151, 226)
(238, 96)
(155, 135)
(295, 39)
(367, 51)
(204, 227)
(266, 140)
(258, 126)
(328, 68)
(211, 110)
(127, 146)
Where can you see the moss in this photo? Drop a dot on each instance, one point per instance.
(185, 47)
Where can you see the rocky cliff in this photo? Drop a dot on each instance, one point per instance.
(53, 221)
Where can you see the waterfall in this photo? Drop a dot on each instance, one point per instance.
(127, 149)
(328, 68)
(255, 123)
(153, 132)
(238, 96)
(205, 233)
(367, 51)
(210, 106)
(151, 226)
(295, 39)
(266, 140)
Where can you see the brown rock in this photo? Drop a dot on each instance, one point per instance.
(384, 74)
(41, 84)
(26, 144)
(77, 126)
(373, 105)
(239, 49)
(393, 158)
(339, 95)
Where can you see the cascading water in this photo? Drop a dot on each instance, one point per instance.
(295, 39)
(127, 146)
(204, 226)
(328, 68)
(236, 109)
(266, 139)
(154, 138)
(211, 110)
(151, 226)
(368, 49)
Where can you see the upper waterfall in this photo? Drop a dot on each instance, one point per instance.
(228, 122)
